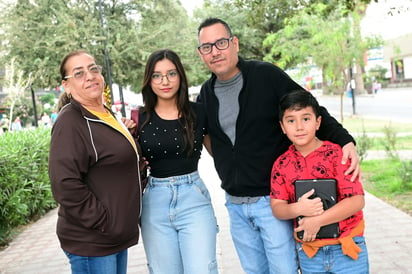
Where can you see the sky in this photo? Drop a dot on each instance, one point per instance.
(189, 5)
(378, 21)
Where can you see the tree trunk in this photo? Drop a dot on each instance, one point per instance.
(360, 85)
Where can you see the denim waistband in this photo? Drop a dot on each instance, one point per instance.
(175, 180)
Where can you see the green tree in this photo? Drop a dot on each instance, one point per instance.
(237, 17)
(15, 85)
(159, 28)
(54, 28)
(38, 33)
(330, 40)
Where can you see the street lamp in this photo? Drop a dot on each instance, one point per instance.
(33, 98)
(352, 89)
(106, 54)
(107, 60)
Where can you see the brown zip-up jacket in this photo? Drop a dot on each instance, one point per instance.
(94, 176)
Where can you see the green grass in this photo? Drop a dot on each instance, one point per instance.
(403, 143)
(357, 124)
(382, 178)
(389, 179)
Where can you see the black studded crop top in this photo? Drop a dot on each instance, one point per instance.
(163, 145)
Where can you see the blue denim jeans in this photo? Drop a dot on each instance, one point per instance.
(330, 259)
(263, 243)
(179, 226)
(112, 264)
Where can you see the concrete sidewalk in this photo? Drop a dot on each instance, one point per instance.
(388, 233)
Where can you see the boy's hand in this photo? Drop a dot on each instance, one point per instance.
(310, 228)
(310, 207)
(349, 152)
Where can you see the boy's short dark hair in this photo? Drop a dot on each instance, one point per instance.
(297, 100)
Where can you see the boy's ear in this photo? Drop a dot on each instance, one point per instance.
(318, 122)
(281, 125)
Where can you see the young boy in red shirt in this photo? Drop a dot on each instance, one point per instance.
(311, 158)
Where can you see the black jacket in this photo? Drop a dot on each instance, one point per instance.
(94, 177)
(245, 167)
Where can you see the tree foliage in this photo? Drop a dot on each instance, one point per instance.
(329, 39)
(16, 85)
(38, 33)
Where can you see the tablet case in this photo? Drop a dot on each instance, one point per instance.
(326, 190)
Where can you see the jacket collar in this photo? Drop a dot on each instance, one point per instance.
(85, 113)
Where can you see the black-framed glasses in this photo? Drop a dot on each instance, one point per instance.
(171, 76)
(220, 44)
(80, 74)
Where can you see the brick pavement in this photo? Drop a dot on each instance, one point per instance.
(388, 233)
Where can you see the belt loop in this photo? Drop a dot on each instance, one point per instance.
(192, 177)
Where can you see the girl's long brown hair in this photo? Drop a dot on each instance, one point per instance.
(186, 114)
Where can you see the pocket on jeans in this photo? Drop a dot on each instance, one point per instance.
(68, 254)
(359, 240)
(200, 187)
(213, 267)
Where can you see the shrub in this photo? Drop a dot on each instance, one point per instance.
(363, 144)
(405, 173)
(390, 141)
(24, 181)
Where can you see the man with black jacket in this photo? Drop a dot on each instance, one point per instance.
(241, 99)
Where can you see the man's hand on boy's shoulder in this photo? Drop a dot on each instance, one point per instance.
(350, 152)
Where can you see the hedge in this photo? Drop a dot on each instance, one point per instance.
(25, 192)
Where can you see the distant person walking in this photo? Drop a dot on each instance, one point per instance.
(16, 125)
(45, 119)
(376, 87)
(53, 117)
(4, 123)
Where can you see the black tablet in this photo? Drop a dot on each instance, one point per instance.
(325, 189)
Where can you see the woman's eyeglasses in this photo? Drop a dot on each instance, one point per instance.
(171, 76)
(80, 74)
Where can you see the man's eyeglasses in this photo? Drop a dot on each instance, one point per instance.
(80, 74)
(171, 76)
(220, 44)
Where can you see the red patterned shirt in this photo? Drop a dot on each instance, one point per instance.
(324, 162)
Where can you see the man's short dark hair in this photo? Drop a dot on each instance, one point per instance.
(297, 100)
(211, 21)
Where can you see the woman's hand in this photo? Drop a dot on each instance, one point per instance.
(130, 124)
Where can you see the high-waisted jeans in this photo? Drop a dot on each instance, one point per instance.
(179, 226)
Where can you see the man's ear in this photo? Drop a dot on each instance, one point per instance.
(235, 42)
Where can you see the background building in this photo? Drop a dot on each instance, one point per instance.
(398, 52)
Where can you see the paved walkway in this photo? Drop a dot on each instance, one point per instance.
(388, 233)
